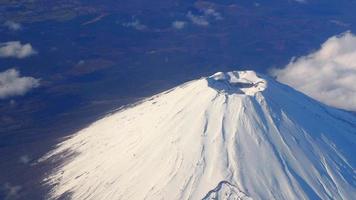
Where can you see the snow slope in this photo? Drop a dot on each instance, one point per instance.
(235, 135)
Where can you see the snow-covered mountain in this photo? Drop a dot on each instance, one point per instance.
(235, 135)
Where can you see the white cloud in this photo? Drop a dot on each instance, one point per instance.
(16, 49)
(11, 84)
(328, 75)
(178, 24)
(13, 26)
(136, 24)
(203, 20)
(200, 20)
(213, 13)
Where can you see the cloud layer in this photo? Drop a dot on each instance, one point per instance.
(16, 50)
(328, 75)
(11, 84)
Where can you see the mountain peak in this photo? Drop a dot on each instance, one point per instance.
(213, 138)
(240, 82)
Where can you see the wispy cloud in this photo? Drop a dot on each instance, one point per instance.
(13, 26)
(136, 24)
(199, 20)
(178, 24)
(203, 19)
(12, 84)
(11, 191)
(25, 159)
(328, 75)
(16, 49)
(213, 13)
(339, 23)
(301, 1)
